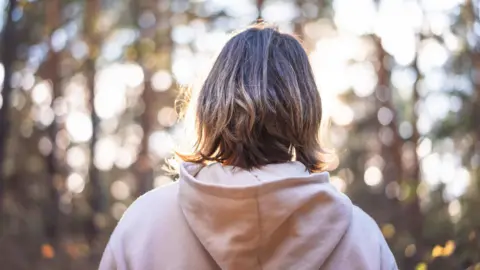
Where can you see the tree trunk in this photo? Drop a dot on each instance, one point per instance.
(95, 190)
(394, 168)
(393, 171)
(51, 209)
(144, 164)
(9, 45)
(472, 18)
(412, 208)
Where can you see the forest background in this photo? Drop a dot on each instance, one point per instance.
(87, 115)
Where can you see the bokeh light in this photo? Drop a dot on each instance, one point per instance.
(75, 183)
(373, 176)
(161, 81)
(42, 93)
(79, 126)
(120, 190)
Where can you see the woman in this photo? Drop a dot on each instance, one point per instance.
(253, 194)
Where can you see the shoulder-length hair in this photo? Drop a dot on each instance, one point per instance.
(259, 105)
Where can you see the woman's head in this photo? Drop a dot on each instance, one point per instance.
(259, 104)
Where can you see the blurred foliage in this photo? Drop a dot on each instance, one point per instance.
(87, 118)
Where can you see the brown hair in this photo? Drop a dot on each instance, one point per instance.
(259, 104)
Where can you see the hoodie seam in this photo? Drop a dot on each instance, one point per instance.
(250, 191)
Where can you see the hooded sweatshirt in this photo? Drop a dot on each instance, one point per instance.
(221, 217)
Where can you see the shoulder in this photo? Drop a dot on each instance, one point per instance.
(154, 207)
(366, 227)
(144, 238)
(152, 200)
(364, 220)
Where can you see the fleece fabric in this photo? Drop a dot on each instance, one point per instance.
(220, 217)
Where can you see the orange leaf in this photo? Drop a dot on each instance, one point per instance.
(47, 251)
(437, 251)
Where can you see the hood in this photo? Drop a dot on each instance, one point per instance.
(276, 217)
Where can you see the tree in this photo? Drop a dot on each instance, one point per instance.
(143, 51)
(51, 211)
(9, 45)
(91, 15)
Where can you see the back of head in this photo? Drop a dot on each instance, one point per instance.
(259, 104)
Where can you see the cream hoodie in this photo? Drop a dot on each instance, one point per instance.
(218, 217)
